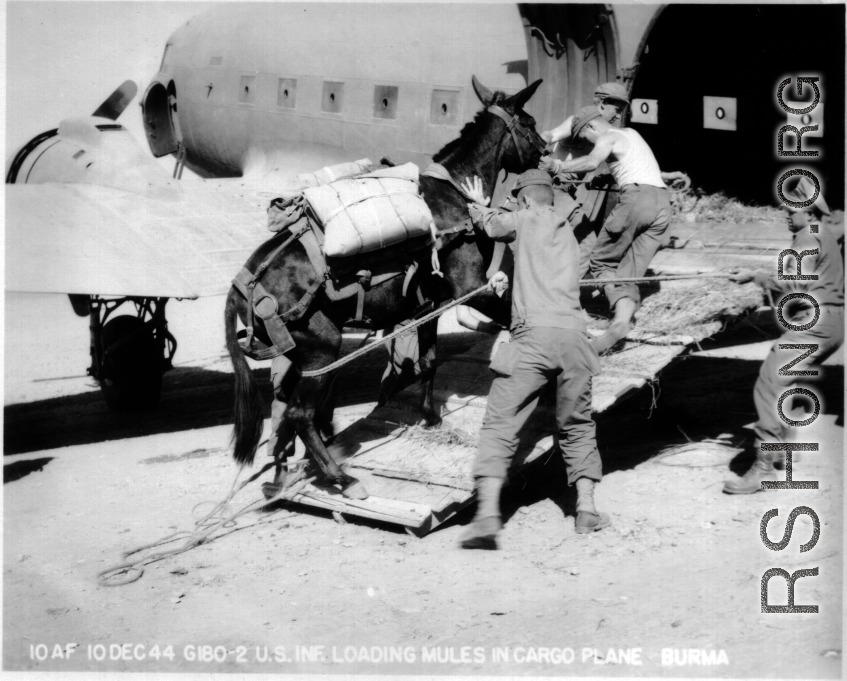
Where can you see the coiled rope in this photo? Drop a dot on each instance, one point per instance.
(583, 283)
(132, 570)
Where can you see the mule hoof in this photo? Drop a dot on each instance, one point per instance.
(355, 490)
(271, 489)
(430, 421)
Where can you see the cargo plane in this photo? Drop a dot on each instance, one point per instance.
(248, 96)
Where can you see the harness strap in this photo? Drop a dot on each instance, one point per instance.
(302, 305)
(295, 234)
(511, 123)
(242, 282)
(313, 241)
(410, 273)
(439, 172)
(267, 307)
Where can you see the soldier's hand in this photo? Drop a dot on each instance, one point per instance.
(548, 163)
(499, 283)
(473, 188)
(677, 180)
(547, 136)
(600, 182)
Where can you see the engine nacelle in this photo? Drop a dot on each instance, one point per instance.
(90, 150)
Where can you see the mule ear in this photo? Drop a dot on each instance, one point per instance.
(485, 95)
(524, 95)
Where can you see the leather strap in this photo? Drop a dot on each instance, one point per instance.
(439, 172)
(300, 308)
(513, 124)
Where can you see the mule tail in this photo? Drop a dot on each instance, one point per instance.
(249, 406)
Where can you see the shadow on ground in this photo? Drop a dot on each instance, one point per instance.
(191, 398)
(20, 469)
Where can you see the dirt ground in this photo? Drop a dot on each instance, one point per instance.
(671, 589)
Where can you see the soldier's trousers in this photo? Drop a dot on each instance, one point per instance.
(828, 335)
(524, 366)
(630, 237)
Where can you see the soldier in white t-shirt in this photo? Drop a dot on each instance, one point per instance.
(636, 227)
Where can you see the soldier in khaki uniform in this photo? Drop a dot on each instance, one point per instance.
(827, 333)
(549, 343)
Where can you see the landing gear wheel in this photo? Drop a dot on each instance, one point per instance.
(131, 375)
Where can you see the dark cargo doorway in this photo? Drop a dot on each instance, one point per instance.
(741, 53)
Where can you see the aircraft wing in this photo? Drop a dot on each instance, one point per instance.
(90, 239)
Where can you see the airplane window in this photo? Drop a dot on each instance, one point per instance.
(333, 97)
(246, 94)
(385, 101)
(286, 97)
(444, 108)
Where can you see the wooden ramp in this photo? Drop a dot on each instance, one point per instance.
(419, 479)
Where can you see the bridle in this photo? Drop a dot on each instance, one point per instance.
(513, 125)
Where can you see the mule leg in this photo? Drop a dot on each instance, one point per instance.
(326, 408)
(402, 351)
(412, 358)
(278, 439)
(427, 344)
(281, 439)
(301, 412)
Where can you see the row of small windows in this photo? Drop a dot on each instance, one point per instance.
(444, 106)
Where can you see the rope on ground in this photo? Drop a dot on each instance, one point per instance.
(583, 283)
(131, 571)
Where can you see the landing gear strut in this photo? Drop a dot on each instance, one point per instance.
(129, 353)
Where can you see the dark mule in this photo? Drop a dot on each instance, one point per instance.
(500, 137)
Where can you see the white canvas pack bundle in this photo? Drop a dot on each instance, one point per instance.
(369, 212)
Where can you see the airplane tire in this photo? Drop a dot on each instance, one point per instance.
(131, 376)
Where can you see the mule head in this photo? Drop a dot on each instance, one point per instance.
(529, 142)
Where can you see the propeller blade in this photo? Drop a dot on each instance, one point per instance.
(118, 101)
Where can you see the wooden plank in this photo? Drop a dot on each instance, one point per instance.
(399, 473)
(375, 508)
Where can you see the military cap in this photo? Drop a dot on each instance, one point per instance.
(612, 91)
(531, 177)
(582, 118)
(803, 191)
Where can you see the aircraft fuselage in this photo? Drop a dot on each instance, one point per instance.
(248, 89)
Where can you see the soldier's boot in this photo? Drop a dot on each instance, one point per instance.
(482, 532)
(588, 519)
(763, 469)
